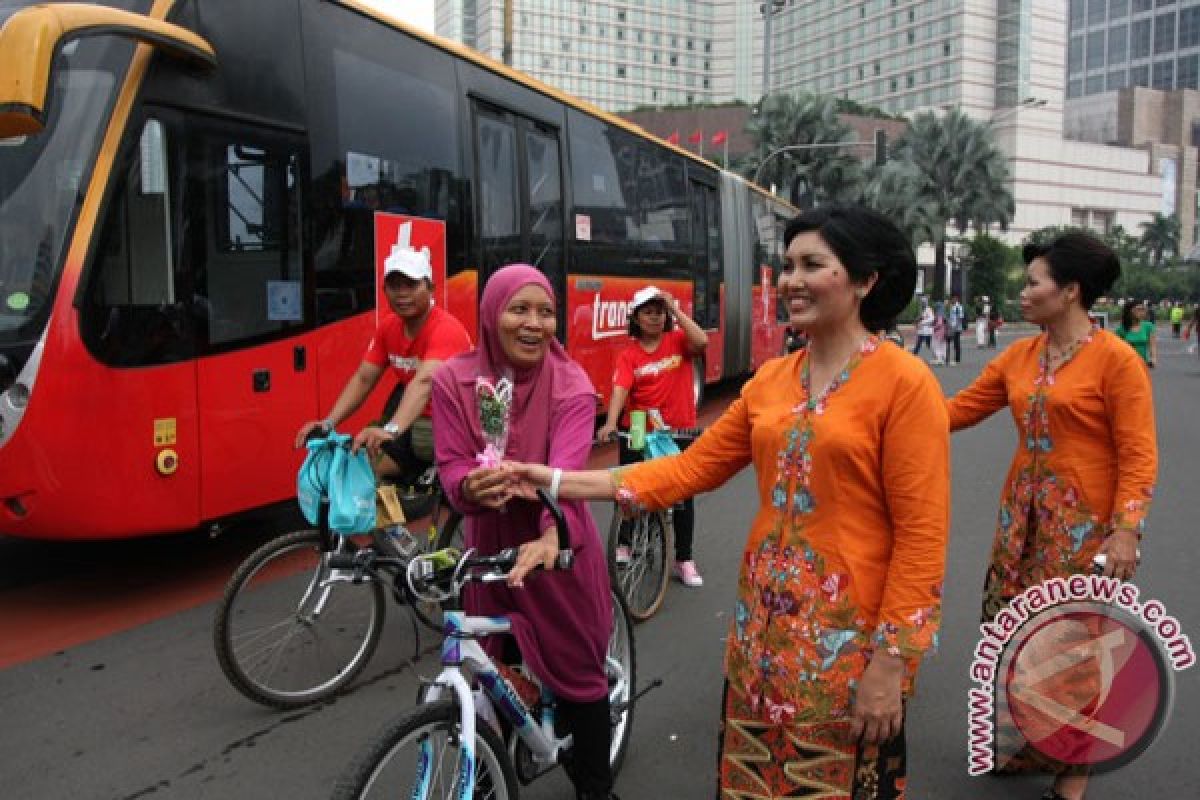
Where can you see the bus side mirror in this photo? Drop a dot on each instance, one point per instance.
(31, 37)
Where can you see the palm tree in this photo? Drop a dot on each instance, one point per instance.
(831, 172)
(950, 169)
(1161, 235)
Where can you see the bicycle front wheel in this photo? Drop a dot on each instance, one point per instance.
(288, 633)
(420, 756)
(638, 553)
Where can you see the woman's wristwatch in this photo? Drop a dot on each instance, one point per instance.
(392, 429)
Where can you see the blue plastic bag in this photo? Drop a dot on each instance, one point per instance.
(351, 492)
(312, 481)
(659, 444)
(330, 470)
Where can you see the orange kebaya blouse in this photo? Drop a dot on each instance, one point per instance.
(1086, 456)
(848, 547)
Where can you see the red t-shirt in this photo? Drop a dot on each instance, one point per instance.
(662, 380)
(440, 337)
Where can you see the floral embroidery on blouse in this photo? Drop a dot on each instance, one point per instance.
(1036, 420)
(625, 497)
(794, 465)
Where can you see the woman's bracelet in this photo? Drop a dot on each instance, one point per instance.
(555, 481)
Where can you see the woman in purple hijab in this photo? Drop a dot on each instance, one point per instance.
(561, 619)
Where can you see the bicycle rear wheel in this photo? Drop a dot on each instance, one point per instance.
(424, 748)
(642, 578)
(621, 667)
(285, 635)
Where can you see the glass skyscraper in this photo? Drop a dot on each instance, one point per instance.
(1118, 43)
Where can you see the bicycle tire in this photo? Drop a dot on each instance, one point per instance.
(621, 647)
(268, 643)
(382, 772)
(642, 581)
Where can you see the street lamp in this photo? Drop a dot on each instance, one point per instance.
(768, 9)
(879, 143)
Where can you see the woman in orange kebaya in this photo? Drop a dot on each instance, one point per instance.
(1083, 475)
(840, 582)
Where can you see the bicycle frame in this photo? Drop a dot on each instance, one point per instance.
(461, 653)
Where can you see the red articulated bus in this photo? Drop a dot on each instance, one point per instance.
(195, 198)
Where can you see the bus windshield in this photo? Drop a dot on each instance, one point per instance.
(43, 177)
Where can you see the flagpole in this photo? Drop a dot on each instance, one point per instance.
(726, 143)
(702, 142)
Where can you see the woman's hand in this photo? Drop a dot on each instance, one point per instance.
(607, 431)
(1120, 549)
(526, 479)
(490, 487)
(373, 438)
(878, 711)
(540, 552)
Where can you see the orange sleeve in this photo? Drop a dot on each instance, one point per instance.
(986, 395)
(1129, 402)
(719, 454)
(916, 480)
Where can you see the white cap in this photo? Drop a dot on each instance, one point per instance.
(643, 296)
(411, 263)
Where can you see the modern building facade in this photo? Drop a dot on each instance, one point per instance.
(616, 54)
(1001, 61)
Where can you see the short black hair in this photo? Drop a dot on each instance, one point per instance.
(635, 330)
(867, 243)
(1078, 258)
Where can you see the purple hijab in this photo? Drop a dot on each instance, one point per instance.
(537, 391)
(561, 620)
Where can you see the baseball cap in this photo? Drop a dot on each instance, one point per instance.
(643, 296)
(408, 262)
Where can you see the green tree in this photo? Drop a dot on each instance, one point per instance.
(960, 181)
(1160, 235)
(832, 169)
(989, 262)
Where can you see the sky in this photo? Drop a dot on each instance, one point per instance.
(418, 12)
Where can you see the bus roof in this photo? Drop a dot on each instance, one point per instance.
(474, 56)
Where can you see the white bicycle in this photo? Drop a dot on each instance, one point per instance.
(463, 743)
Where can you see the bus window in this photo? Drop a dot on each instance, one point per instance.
(662, 201)
(132, 315)
(706, 251)
(545, 201)
(499, 202)
(604, 180)
(404, 159)
(252, 282)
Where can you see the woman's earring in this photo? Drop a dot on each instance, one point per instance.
(861, 293)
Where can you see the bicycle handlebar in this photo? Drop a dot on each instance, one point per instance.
(436, 577)
(674, 433)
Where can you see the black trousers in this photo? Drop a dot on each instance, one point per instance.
(956, 341)
(590, 726)
(684, 516)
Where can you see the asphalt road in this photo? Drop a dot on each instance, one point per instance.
(146, 713)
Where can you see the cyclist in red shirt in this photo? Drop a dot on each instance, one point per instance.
(655, 372)
(413, 340)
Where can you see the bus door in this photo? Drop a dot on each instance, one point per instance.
(518, 172)
(708, 272)
(257, 377)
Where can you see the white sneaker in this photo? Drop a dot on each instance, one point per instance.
(688, 575)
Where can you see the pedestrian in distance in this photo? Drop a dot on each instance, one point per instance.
(983, 311)
(956, 322)
(1083, 473)
(994, 322)
(924, 327)
(1193, 326)
(654, 373)
(1138, 331)
(1176, 315)
(561, 619)
(412, 340)
(839, 591)
(939, 334)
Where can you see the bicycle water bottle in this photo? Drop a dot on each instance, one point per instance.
(637, 430)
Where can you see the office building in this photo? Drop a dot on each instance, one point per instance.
(616, 54)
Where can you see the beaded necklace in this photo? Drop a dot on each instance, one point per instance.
(1037, 421)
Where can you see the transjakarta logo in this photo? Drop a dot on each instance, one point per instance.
(609, 318)
(1077, 670)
